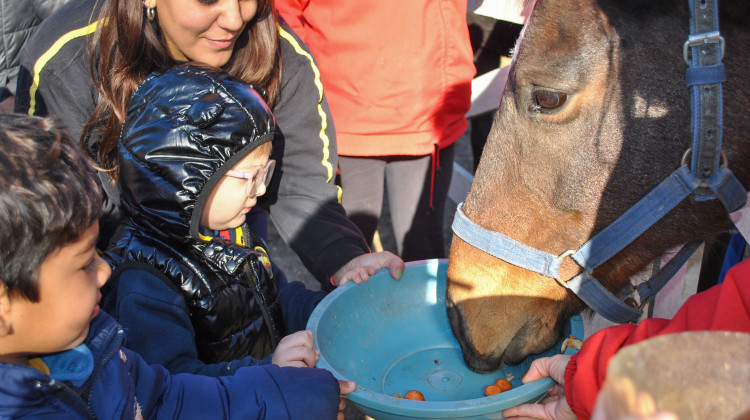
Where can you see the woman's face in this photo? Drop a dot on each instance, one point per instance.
(203, 30)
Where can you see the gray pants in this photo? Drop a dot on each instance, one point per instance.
(416, 197)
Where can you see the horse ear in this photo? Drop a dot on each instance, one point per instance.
(205, 111)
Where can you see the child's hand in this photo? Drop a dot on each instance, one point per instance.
(361, 268)
(345, 388)
(296, 350)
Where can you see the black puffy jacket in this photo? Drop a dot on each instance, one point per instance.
(185, 128)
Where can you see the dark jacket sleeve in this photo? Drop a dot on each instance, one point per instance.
(258, 392)
(157, 324)
(56, 77)
(55, 80)
(724, 307)
(297, 301)
(305, 207)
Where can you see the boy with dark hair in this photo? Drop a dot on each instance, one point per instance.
(59, 355)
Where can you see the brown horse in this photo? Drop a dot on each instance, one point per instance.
(594, 115)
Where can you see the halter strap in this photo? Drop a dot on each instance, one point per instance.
(505, 248)
(509, 250)
(704, 76)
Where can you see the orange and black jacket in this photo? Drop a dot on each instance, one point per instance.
(303, 201)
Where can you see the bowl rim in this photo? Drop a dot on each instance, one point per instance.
(437, 409)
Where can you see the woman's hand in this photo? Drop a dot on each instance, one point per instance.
(554, 407)
(361, 268)
(296, 350)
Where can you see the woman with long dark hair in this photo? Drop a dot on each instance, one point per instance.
(85, 61)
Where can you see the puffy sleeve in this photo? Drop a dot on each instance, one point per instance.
(256, 392)
(724, 307)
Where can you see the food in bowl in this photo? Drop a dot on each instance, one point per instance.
(414, 395)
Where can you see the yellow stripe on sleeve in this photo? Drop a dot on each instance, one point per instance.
(42, 61)
(324, 121)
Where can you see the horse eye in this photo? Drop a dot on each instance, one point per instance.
(548, 100)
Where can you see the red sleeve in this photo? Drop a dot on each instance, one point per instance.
(724, 307)
(291, 11)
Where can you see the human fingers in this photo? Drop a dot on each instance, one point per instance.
(346, 387)
(299, 338)
(299, 346)
(307, 355)
(295, 356)
(351, 276)
(342, 406)
(526, 411)
(551, 408)
(543, 367)
(394, 263)
(557, 390)
(293, 363)
(363, 274)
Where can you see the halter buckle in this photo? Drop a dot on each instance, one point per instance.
(560, 257)
(703, 39)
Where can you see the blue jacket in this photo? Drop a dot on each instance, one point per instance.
(123, 386)
(147, 307)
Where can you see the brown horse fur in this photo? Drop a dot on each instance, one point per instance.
(553, 178)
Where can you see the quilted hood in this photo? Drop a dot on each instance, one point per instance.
(185, 127)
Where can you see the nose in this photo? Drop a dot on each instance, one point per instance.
(231, 17)
(260, 190)
(103, 271)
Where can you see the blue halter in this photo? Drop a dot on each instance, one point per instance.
(706, 178)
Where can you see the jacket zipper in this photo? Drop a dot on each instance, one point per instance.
(72, 398)
(98, 370)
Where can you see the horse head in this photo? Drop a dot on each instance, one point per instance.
(594, 115)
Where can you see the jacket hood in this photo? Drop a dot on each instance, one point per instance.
(184, 129)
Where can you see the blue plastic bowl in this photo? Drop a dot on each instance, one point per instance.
(393, 336)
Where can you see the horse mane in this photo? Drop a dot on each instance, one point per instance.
(736, 11)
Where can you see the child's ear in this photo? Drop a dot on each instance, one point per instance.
(5, 326)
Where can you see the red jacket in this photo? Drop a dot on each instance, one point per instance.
(724, 307)
(397, 74)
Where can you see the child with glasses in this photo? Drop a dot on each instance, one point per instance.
(192, 285)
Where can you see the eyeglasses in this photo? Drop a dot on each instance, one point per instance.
(260, 175)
